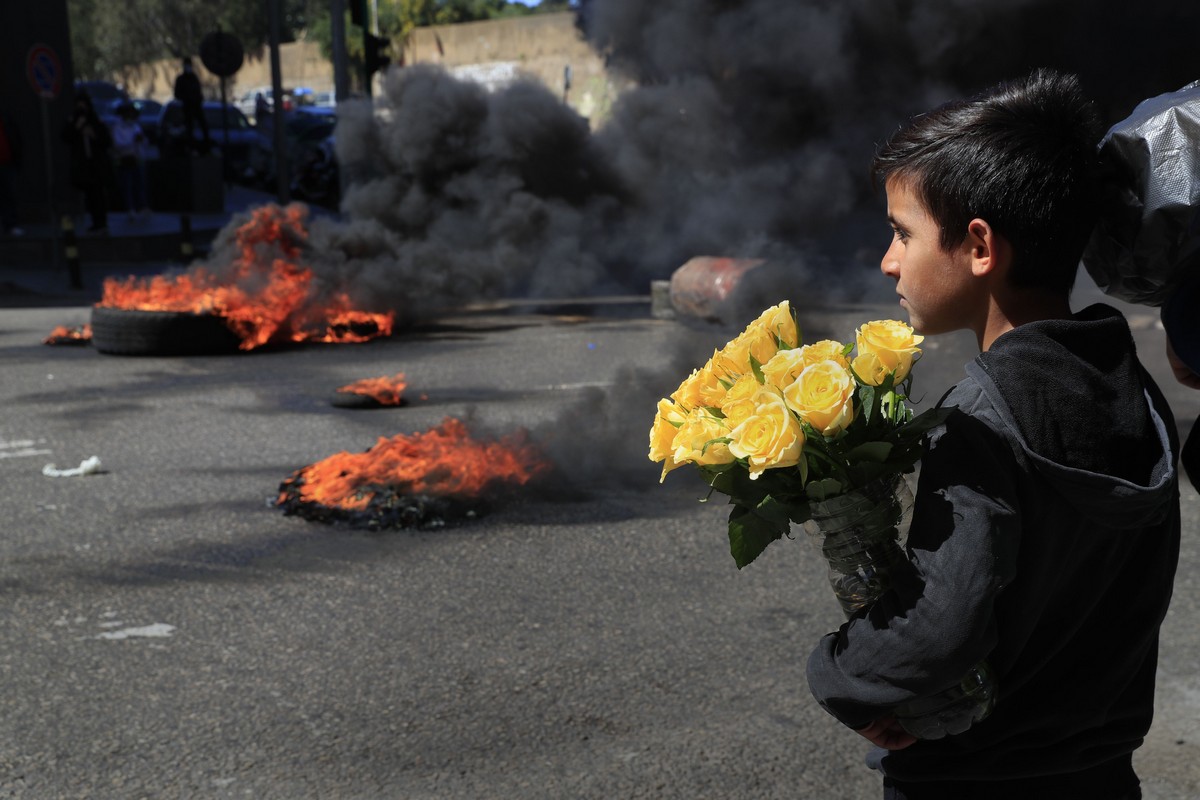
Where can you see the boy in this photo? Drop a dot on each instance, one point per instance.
(1045, 534)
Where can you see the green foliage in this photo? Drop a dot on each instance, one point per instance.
(107, 38)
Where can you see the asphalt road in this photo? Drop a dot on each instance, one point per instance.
(167, 633)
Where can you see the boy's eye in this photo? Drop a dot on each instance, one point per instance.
(902, 236)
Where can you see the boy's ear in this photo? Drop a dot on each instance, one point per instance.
(989, 252)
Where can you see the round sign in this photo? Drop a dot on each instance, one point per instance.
(221, 53)
(44, 71)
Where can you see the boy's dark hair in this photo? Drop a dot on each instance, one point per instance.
(1021, 156)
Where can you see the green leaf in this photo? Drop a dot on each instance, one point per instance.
(868, 399)
(749, 535)
(870, 451)
(823, 489)
(775, 512)
(756, 368)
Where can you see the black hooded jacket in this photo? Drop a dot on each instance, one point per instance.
(1044, 539)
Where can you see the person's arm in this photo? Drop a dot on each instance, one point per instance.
(1182, 372)
(935, 623)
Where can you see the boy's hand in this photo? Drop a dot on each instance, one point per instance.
(1182, 371)
(885, 732)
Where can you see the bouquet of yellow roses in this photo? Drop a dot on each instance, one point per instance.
(818, 434)
(779, 426)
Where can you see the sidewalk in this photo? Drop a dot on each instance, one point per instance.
(34, 270)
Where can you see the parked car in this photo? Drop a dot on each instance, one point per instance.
(247, 101)
(247, 152)
(103, 96)
(102, 93)
(312, 166)
(311, 102)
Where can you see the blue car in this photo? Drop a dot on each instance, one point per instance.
(247, 152)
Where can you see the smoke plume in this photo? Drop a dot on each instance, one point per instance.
(748, 132)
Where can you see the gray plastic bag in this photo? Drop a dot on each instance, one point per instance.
(1147, 243)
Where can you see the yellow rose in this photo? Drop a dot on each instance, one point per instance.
(823, 397)
(824, 350)
(784, 367)
(733, 360)
(701, 389)
(760, 339)
(771, 437)
(779, 321)
(869, 369)
(739, 401)
(893, 343)
(662, 435)
(694, 440)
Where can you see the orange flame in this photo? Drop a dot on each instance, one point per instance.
(444, 462)
(384, 390)
(65, 334)
(263, 299)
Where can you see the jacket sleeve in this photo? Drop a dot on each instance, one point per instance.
(936, 622)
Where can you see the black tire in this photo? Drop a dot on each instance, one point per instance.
(342, 399)
(133, 332)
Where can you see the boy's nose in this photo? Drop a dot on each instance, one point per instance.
(890, 265)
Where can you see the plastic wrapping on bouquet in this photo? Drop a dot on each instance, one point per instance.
(953, 710)
(862, 535)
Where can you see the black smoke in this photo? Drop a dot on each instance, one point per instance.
(747, 132)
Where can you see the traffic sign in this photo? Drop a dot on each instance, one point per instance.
(44, 71)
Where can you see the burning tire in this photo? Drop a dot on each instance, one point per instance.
(134, 332)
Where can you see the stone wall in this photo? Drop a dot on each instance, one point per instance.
(541, 46)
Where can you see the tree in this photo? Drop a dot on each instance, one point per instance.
(108, 37)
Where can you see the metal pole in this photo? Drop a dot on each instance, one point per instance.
(225, 124)
(48, 155)
(277, 113)
(341, 73)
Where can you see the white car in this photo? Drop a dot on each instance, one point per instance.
(246, 102)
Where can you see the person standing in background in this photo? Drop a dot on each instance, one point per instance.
(90, 144)
(129, 142)
(191, 97)
(10, 164)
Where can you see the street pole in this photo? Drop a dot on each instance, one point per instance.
(341, 73)
(275, 14)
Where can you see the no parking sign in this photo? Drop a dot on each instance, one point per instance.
(44, 71)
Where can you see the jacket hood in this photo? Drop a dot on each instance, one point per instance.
(1111, 454)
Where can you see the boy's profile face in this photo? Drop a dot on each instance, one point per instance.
(935, 285)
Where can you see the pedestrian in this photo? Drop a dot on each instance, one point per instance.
(191, 97)
(1183, 356)
(263, 118)
(90, 144)
(1045, 534)
(10, 165)
(129, 143)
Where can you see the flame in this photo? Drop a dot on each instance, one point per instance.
(264, 298)
(65, 334)
(384, 390)
(444, 461)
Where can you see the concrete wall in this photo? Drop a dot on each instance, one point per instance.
(541, 46)
(300, 62)
(493, 52)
